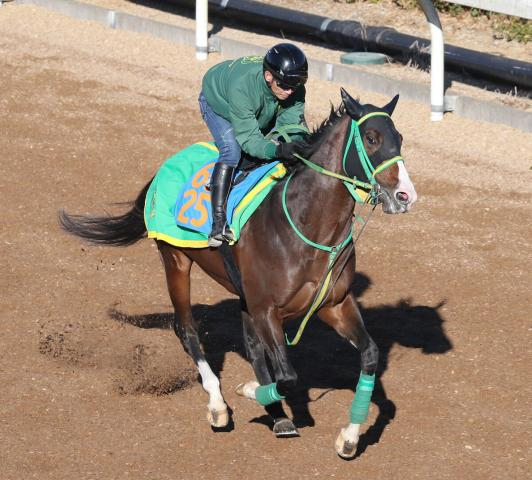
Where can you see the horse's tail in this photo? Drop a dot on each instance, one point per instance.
(121, 230)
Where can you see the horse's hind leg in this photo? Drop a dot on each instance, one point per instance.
(177, 267)
(283, 426)
(345, 318)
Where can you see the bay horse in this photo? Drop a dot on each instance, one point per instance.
(282, 255)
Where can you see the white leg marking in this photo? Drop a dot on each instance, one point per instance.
(351, 432)
(247, 389)
(346, 443)
(211, 384)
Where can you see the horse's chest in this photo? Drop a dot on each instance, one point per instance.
(300, 300)
(313, 284)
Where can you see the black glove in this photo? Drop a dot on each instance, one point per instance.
(284, 151)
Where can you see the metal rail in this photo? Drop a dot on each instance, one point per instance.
(519, 8)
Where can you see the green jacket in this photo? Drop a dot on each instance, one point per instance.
(237, 91)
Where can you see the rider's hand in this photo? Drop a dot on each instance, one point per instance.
(285, 151)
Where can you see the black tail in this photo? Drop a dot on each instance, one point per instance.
(117, 231)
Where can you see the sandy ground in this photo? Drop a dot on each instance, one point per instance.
(94, 382)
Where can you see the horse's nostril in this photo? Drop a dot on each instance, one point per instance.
(402, 197)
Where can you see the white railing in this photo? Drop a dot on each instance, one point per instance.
(516, 8)
(519, 8)
(202, 27)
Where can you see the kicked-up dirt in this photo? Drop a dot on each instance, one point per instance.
(96, 385)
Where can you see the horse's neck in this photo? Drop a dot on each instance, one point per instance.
(320, 205)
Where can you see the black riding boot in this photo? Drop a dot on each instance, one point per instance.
(221, 179)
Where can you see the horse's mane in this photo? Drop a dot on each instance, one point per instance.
(315, 138)
(305, 147)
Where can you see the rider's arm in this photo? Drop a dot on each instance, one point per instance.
(246, 127)
(292, 112)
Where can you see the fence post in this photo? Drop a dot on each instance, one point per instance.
(437, 70)
(202, 25)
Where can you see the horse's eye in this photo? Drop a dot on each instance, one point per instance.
(371, 140)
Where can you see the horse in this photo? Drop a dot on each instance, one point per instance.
(300, 234)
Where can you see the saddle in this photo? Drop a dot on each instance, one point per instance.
(178, 202)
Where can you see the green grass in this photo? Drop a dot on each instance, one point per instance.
(512, 28)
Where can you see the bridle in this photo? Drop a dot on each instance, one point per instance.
(363, 192)
(358, 189)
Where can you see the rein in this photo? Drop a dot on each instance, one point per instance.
(334, 254)
(357, 190)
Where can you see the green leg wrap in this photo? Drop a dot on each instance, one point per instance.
(267, 394)
(360, 405)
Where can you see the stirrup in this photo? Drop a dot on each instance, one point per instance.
(215, 241)
(225, 235)
(216, 237)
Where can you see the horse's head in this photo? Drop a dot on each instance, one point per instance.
(373, 153)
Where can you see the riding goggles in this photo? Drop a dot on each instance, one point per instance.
(290, 83)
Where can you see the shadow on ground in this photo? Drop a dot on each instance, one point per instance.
(322, 359)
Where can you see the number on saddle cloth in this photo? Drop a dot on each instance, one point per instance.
(193, 206)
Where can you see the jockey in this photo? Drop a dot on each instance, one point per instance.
(240, 101)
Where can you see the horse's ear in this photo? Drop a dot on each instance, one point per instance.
(391, 106)
(354, 108)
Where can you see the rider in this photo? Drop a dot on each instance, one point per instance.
(240, 101)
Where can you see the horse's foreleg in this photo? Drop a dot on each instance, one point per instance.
(177, 267)
(345, 318)
(270, 332)
(256, 356)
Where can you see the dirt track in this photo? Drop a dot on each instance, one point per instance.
(95, 384)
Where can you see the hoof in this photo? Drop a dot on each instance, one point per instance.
(285, 428)
(218, 418)
(345, 448)
(247, 390)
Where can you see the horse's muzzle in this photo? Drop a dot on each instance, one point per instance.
(400, 198)
(396, 202)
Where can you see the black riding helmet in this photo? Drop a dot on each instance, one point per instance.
(288, 64)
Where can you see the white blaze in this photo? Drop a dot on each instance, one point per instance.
(405, 185)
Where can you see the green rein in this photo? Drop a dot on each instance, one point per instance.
(357, 190)
(268, 394)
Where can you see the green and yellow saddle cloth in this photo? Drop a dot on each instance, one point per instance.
(178, 204)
